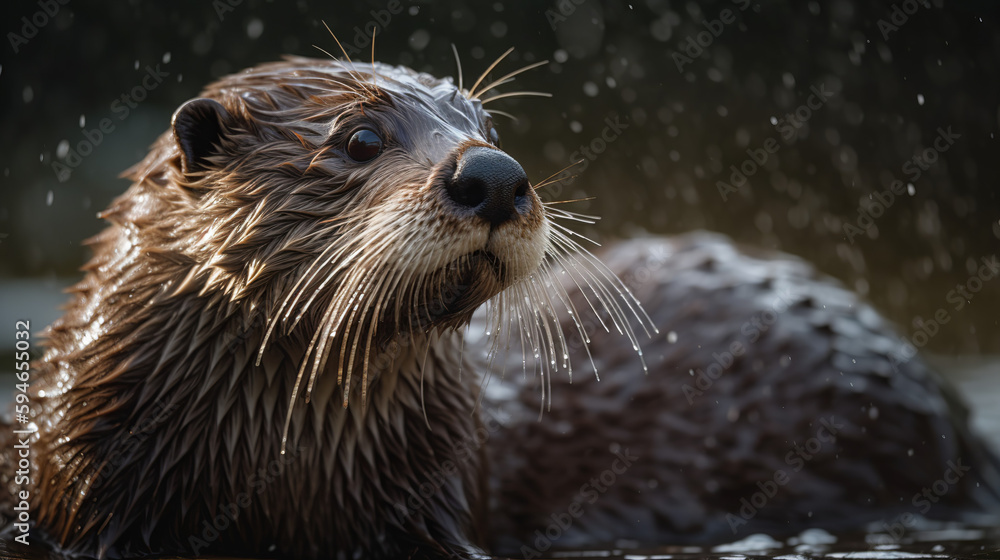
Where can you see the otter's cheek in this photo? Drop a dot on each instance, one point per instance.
(521, 244)
(421, 234)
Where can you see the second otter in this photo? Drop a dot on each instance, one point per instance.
(283, 288)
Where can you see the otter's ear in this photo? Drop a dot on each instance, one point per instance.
(199, 126)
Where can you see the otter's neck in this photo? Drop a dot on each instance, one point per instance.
(171, 396)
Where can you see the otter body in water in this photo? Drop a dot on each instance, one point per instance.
(269, 334)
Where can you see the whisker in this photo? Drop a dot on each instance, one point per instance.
(295, 392)
(472, 92)
(548, 180)
(570, 307)
(612, 281)
(561, 214)
(493, 84)
(461, 353)
(542, 297)
(374, 74)
(585, 199)
(423, 368)
(324, 51)
(557, 180)
(569, 232)
(570, 266)
(517, 94)
(509, 77)
(293, 292)
(503, 113)
(458, 62)
(352, 70)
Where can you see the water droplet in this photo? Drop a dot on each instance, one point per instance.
(920, 99)
(420, 39)
(255, 28)
(671, 337)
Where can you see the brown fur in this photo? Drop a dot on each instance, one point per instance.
(225, 289)
(269, 334)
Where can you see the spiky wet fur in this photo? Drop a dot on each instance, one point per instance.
(287, 297)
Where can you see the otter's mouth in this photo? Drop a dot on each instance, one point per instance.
(492, 261)
(463, 285)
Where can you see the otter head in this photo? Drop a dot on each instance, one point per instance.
(388, 184)
(352, 203)
(310, 213)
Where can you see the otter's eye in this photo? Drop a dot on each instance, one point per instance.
(364, 145)
(494, 137)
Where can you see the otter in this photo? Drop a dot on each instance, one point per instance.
(267, 355)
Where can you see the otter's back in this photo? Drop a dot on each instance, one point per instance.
(775, 401)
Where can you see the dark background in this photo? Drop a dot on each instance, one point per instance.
(610, 60)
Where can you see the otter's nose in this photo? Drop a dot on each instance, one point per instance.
(491, 183)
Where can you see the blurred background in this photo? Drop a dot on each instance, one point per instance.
(674, 106)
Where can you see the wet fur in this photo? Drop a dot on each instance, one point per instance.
(276, 296)
(279, 297)
(824, 357)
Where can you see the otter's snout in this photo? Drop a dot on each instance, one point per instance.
(491, 183)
